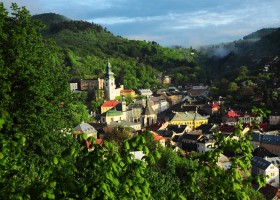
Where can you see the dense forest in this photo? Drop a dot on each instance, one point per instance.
(39, 159)
(136, 64)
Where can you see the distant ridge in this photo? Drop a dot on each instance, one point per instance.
(259, 34)
(50, 18)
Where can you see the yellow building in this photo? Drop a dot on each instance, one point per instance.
(108, 105)
(128, 93)
(192, 119)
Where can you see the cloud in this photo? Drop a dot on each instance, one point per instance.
(176, 22)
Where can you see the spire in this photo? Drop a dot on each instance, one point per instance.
(148, 109)
(108, 69)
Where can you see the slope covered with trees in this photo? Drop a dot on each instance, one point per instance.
(136, 64)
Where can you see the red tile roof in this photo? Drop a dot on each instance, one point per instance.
(111, 103)
(233, 113)
(158, 137)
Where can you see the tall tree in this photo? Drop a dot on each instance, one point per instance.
(34, 91)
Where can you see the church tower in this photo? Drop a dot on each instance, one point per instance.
(109, 83)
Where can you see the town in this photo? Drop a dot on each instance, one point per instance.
(182, 119)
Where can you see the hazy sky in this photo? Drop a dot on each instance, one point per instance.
(168, 22)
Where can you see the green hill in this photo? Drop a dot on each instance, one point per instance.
(136, 64)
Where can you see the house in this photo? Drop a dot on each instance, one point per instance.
(108, 105)
(210, 108)
(173, 97)
(270, 192)
(208, 129)
(198, 92)
(192, 119)
(112, 116)
(155, 102)
(85, 128)
(91, 84)
(158, 138)
(73, 87)
(261, 166)
(245, 118)
(130, 93)
(188, 142)
(267, 141)
(145, 92)
(205, 144)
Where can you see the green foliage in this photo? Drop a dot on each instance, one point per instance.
(40, 160)
(135, 63)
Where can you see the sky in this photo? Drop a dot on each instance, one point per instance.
(187, 23)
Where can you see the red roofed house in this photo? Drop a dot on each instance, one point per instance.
(108, 105)
(158, 138)
(233, 113)
(210, 108)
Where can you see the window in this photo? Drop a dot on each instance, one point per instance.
(271, 167)
(272, 174)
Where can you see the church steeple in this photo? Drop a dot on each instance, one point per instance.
(109, 84)
(148, 109)
(109, 72)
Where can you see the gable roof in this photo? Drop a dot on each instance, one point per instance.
(269, 191)
(260, 163)
(85, 128)
(206, 128)
(187, 116)
(190, 137)
(267, 139)
(111, 103)
(177, 128)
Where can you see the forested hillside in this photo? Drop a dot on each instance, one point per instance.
(136, 64)
(253, 51)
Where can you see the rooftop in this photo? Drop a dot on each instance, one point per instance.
(111, 103)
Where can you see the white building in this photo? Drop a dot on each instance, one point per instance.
(73, 86)
(145, 92)
(261, 166)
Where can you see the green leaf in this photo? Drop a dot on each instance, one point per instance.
(52, 184)
(126, 145)
(55, 160)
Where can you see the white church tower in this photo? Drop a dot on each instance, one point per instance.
(109, 83)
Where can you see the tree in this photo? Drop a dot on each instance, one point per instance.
(34, 90)
(118, 135)
(232, 87)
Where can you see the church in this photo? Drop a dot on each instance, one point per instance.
(111, 92)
